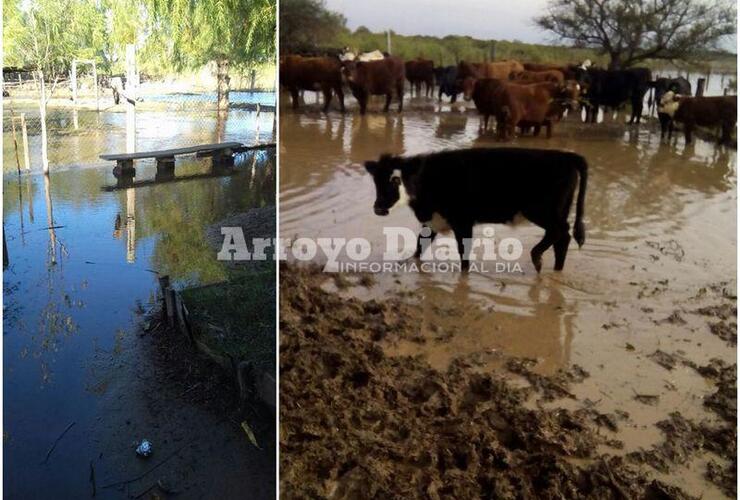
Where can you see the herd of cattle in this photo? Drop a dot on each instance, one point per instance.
(526, 96)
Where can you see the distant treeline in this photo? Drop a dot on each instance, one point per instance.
(453, 49)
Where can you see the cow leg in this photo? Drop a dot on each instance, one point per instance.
(294, 97)
(548, 128)
(561, 247)
(726, 134)
(454, 98)
(541, 247)
(327, 97)
(399, 91)
(464, 232)
(688, 128)
(388, 98)
(439, 97)
(340, 96)
(419, 246)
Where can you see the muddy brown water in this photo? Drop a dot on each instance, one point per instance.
(661, 225)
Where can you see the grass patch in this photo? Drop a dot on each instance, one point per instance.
(236, 318)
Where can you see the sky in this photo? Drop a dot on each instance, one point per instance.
(484, 19)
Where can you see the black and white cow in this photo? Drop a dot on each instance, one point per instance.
(454, 190)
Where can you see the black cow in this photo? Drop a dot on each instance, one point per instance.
(614, 88)
(446, 78)
(458, 189)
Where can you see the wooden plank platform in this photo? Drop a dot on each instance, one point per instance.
(168, 153)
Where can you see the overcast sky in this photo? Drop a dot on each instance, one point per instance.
(484, 19)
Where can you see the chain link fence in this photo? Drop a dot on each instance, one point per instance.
(171, 112)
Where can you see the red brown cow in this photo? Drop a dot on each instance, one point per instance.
(312, 73)
(468, 73)
(383, 77)
(551, 75)
(542, 66)
(527, 105)
(719, 111)
(420, 71)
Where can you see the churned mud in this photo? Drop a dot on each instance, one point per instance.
(358, 423)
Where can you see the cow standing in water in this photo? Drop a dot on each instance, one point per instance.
(420, 71)
(312, 73)
(454, 190)
(382, 77)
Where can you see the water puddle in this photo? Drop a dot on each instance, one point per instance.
(661, 225)
(83, 264)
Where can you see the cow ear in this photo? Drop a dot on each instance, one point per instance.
(371, 167)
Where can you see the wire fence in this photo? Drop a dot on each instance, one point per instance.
(169, 114)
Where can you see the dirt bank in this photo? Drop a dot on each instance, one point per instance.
(356, 423)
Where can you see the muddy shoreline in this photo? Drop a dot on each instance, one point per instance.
(358, 423)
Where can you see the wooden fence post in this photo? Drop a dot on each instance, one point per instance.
(73, 79)
(97, 90)
(42, 113)
(24, 133)
(131, 96)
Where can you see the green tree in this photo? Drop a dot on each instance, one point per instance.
(630, 31)
(229, 32)
(45, 36)
(308, 25)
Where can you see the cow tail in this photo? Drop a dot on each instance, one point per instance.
(579, 230)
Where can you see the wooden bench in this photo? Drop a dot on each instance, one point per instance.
(222, 153)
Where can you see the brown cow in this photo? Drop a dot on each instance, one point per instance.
(527, 105)
(542, 66)
(719, 111)
(381, 77)
(420, 71)
(312, 73)
(468, 73)
(551, 75)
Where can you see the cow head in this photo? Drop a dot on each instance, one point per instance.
(467, 85)
(386, 174)
(349, 71)
(668, 103)
(569, 92)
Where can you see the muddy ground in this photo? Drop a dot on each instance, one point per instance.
(359, 423)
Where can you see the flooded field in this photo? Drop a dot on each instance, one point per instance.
(79, 385)
(660, 245)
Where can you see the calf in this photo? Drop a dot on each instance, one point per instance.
(381, 77)
(312, 73)
(720, 111)
(523, 105)
(420, 71)
(454, 190)
(446, 78)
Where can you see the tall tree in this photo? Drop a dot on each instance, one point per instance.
(229, 32)
(308, 25)
(630, 31)
(45, 37)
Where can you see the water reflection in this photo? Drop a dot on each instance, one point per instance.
(639, 189)
(72, 282)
